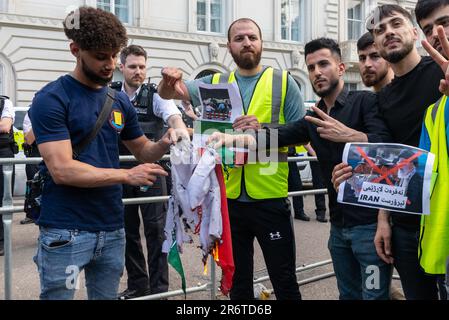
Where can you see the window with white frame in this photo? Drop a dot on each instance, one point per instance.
(292, 20)
(351, 86)
(209, 15)
(121, 8)
(355, 19)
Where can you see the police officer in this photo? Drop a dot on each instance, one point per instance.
(152, 111)
(30, 149)
(7, 147)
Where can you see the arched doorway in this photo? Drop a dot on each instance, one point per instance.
(205, 73)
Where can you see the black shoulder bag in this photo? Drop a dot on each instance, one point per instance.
(34, 187)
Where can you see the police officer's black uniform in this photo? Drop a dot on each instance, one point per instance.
(31, 151)
(141, 282)
(7, 148)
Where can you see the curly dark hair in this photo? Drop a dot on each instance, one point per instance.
(95, 29)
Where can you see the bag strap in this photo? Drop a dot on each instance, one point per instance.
(105, 111)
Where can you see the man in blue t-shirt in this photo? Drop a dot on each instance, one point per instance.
(81, 221)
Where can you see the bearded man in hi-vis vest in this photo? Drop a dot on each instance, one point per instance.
(256, 192)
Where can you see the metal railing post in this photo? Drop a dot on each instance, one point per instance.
(7, 219)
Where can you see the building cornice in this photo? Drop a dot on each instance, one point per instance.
(22, 21)
(30, 22)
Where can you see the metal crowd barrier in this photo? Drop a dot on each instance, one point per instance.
(8, 209)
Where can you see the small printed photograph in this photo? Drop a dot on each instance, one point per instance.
(387, 176)
(216, 104)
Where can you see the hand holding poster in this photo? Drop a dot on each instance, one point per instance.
(388, 176)
(221, 105)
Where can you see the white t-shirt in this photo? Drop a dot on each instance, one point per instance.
(8, 110)
(162, 108)
(26, 124)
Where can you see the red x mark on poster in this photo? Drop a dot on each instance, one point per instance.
(385, 173)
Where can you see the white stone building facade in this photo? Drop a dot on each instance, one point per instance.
(189, 34)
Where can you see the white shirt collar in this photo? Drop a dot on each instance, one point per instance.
(135, 93)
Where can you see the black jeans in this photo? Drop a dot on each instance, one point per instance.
(153, 217)
(416, 284)
(270, 222)
(295, 184)
(318, 183)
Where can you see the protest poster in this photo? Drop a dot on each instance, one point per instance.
(221, 104)
(394, 177)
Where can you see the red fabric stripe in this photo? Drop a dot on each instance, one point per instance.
(226, 260)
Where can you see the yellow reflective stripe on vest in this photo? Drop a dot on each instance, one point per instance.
(434, 234)
(262, 180)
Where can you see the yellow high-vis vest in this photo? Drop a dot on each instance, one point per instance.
(300, 149)
(263, 180)
(434, 234)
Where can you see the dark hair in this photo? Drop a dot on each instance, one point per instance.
(322, 43)
(134, 50)
(95, 29)
(425, 8)
(383, 11)
(243, 20)
(365, 41)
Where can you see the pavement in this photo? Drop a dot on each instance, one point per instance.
(311, 244)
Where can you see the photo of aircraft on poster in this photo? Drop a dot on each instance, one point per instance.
(388, 176)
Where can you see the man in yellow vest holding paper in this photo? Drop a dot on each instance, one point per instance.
(434, 235)
(257, 201)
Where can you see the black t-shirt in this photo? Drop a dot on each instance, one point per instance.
(402, 104)
(357, 110)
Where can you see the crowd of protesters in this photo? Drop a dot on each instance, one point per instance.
(80, 126)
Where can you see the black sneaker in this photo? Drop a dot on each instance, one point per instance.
(2, 252)
(26, 221)
(302, 217)
(131, 294)
(321, 219)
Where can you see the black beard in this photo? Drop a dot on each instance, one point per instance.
(328, 91)
(247, 63)
(396, 56)
(376, 80)
(92, 76)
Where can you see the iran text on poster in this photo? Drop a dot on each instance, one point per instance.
(394, 177)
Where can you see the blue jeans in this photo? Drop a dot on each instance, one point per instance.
(62, 254)
(360, 273)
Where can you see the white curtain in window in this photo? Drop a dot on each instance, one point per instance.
(215, 16)
(104, 5)
(355, 17)
(291, 20)
(201, 15)
(121, 8)
(209, 15)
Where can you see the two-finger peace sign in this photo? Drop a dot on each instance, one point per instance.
(325, 118)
